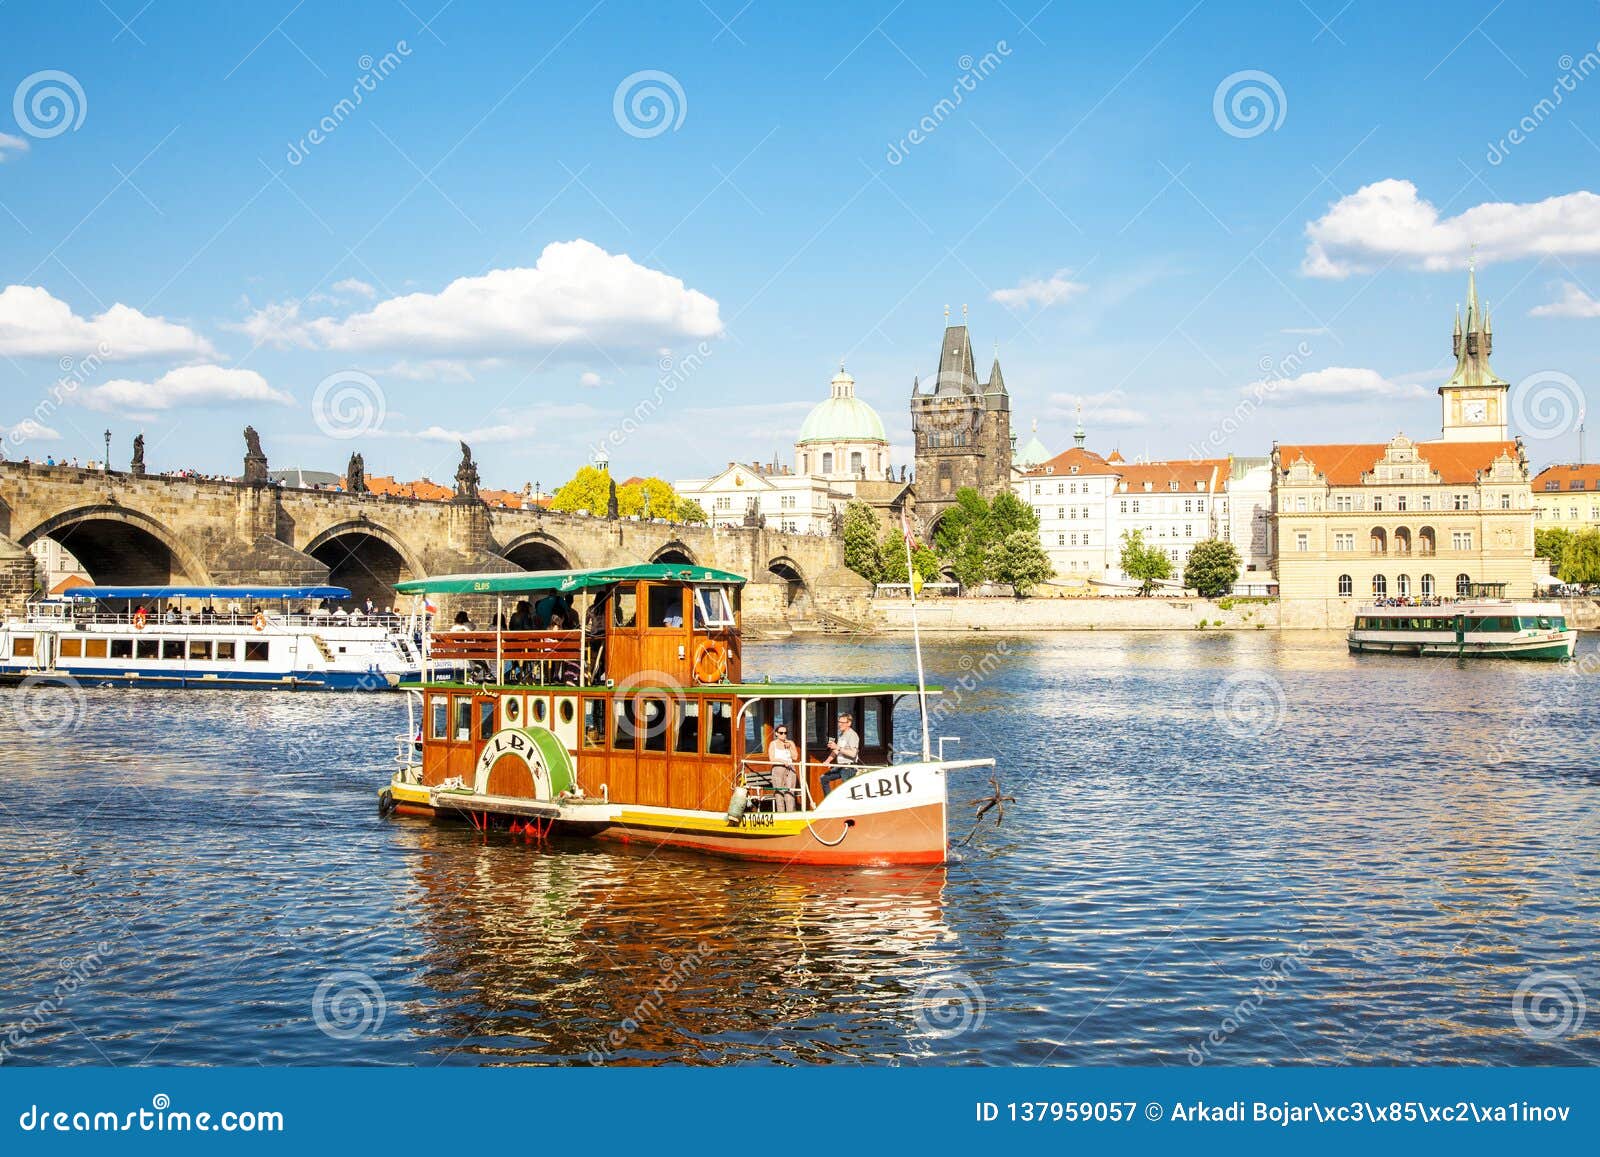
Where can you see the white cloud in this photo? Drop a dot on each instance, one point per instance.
(431, 370)
(589, 379)
(575, 293)
(1573, 302)
(356, 287)
(29, 430)
(1387, 221)
(1041, 293)
(481, 435)
(33, 323)
(1110, 408)
(189, 387)
(275, 324)
(9, 143)
(1334, 384)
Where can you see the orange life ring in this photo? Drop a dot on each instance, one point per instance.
(259, 622)
(710, 665)
(139, 619)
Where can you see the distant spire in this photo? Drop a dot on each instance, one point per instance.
(963, 313)
(947, 314)
(1077, 433)
(1472, 288)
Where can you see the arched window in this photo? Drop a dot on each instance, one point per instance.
(856, 462)
(1402, 585)
(805, 464)
(1380, 541)
(1347, 586)
(1427, 586)
(1463, 581)
(1380, 586)
(1426, 543)
(827, 462)
(1402, 540)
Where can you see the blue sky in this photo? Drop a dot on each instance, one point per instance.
(485, 245)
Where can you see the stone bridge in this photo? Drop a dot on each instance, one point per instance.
(127, 528)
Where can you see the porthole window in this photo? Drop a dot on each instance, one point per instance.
(540, 709)
(565, 710)
(512, 706)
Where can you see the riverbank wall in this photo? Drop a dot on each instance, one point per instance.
(1155, 614)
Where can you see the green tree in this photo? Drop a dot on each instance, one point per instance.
(1212, 569)
(1009, 514)
(1147, 564)
(892, 559)
(1551, 544)
(861, 541)
(969, 517)
(691, 511)
(1018, 559)
(1580, 561)
(589, 489)
(663, 499)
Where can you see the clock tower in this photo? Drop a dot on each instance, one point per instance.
(1474, 399)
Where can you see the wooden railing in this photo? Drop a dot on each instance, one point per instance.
(512, 646)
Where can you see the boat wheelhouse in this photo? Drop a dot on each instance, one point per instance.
(1484, 624)
(613, 703)
(191, 636)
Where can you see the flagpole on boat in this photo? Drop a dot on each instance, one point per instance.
(916, 638)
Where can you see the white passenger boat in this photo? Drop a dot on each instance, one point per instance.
(185, 636)
(1483, 625)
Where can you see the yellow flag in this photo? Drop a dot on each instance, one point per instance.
(916, 582)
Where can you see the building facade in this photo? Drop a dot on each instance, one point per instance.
(1567, 497)
(1172, 504)
(1071, 493)
(1244, 518)
(962, 430)
(842, 438)
(768, 492)
(1409, 519)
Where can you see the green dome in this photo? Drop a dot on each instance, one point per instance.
(843, 417)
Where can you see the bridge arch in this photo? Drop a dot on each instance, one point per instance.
(121, 546)
(367, 558)
(798, 592)
(540, 550)
(675, 552)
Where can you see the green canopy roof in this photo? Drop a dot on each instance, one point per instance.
(561, 580)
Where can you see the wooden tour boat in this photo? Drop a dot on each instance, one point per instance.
(631, 719)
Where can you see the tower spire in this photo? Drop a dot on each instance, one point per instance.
(1077, 431)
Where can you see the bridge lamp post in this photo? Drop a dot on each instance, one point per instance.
(106, 465)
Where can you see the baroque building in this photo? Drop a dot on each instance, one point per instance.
(962, 429)
(1405, 518)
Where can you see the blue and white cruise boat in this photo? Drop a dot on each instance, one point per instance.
(185, 636)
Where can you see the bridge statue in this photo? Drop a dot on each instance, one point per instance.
(255, 461)
(466, 476)
(355, 475)
(137, 467)
(613, 512)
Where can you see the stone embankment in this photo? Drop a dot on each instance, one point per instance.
(1122, 614)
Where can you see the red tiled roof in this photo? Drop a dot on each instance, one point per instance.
(1561, 476)
(1087, 462)
(1343, 463)
(1160, 475)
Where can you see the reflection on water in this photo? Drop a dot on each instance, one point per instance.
(1226, 848)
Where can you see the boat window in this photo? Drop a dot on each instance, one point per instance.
(624, 733)
(872, 723)
(485, 718)
(653, 720)
(149, 649)
(688, 726)
(122, 648)
(594, 722)
(719, 732)
(625, 602)
(225, 650)
(463, 719)
(712, 608)
(817, 730)
(200, 649)
(752, 728)
(666, 606)
(1560, 623)
(539, 709)
(1544, 623)
(255, 651)
(94, 648)
(172, 648)
(22, 648)
(71, 648)
(565, 710)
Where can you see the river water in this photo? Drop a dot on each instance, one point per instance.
(1225, 849)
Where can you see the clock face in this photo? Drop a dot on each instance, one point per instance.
(1475, 411)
